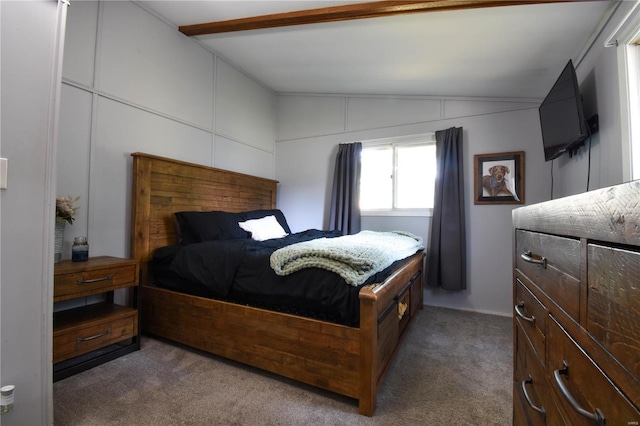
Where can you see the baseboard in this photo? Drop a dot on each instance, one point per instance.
(477, 311)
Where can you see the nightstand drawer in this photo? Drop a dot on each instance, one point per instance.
(552, 263)
(78, 331)
(95, 278)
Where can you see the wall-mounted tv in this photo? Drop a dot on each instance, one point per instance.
(561, 116)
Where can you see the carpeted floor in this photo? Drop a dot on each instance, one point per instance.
(454, 368)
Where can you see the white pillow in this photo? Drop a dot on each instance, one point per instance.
(263, 229)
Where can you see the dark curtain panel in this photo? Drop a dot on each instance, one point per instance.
(447, 262)
(345, 197)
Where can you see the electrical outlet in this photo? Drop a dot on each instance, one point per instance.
(3, 173)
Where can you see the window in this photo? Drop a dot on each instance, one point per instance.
(626, 38)
(398, 176)
(633, 55)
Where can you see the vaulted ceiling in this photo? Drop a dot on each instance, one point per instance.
(510, 51)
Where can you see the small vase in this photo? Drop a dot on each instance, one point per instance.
(57, 253)
(80, 249)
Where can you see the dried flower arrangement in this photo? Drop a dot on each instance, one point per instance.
(65, 208)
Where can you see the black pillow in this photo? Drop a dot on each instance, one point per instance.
(259, 214)
(195, 227)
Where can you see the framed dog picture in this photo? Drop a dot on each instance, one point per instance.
(499, 178)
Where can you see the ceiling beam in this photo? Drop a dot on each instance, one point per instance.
(348, 12)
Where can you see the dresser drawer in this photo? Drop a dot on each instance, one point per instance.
(531, 314)
(613, 303)
(532, 386)
(581, 386)
(85, 329)
(552, 263)
(72, 285)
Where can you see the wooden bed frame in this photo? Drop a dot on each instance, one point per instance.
(346, 360)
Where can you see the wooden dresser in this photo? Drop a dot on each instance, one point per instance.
(576, 290)
(93, 333)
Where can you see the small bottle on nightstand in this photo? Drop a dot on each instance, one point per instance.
(80, 249)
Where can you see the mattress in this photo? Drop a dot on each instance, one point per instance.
(238, 271)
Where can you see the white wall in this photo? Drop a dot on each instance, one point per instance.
(311, 127)
(597, 74)
(154, 90)
(134, 83)
(28, 37)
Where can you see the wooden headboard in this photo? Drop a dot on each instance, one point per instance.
(163, 186)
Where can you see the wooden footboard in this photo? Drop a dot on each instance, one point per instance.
(346, 360)
(385, 311)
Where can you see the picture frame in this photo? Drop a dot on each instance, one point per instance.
(499, 178)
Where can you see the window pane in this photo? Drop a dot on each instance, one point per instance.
(376, 181)
(415, 176)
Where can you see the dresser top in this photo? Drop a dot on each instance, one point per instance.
(609, 214)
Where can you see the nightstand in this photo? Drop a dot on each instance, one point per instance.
(89, 335)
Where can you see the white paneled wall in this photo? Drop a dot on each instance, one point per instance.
(370, 113)
(304, 116)
(80, 43)
(28, 33)
(308, 134)
(134, 83)
(243, 158)
(245, 112)
(148, 63)
(120, 130)
(73, 156)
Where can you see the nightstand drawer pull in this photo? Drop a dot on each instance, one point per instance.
(519, 313)
(528, 398)
(95, 336)
(95, 280)
(528, 257)
(597, 417)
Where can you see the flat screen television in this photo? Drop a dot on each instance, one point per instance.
(561, 116)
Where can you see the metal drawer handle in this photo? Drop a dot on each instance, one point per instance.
(95, 280)
(518, 309)
(402, 308)
(95, 336)
(528, 398)
(528, 257)
(597, 417)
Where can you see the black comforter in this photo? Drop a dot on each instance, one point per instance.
(239, 271)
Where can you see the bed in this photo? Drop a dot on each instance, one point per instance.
(348, 360)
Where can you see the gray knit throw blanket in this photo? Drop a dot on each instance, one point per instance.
(354, 257)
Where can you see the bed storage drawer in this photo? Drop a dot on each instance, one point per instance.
(417, 293)
(396, 316)
(585, 392)
(531, 314)
(91, 327)
(552, 263)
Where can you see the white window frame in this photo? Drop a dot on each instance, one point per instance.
(425, 138)
(633, 69)
(626, 38)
